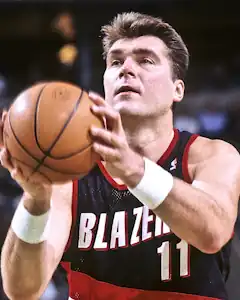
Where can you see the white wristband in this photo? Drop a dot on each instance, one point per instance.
(155, 185)
(29, 228)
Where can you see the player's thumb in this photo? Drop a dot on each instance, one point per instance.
(3, 115)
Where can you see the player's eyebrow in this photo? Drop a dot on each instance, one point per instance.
(137, 51)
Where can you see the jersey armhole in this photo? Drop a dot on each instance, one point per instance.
(185, 170)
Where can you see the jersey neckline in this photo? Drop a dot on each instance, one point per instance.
(160, 162)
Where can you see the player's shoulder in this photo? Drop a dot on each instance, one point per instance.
(203, 149)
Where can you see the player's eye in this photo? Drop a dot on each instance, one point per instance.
(147, 60)
(115, 62)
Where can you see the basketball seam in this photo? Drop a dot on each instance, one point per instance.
(46, 153)
(38, 160)
(31, 168)
(19, 142)
(70, 155)
(35, 117)
(41, 161)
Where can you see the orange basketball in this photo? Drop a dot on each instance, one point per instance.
(47, 129)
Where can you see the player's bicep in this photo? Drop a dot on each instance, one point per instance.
(219, 176)
(60, 222)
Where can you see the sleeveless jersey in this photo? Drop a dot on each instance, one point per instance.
(118, 248)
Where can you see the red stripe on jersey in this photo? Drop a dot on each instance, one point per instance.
(186, 175)
(84, 287)
(110, 179)
(185, 172)
(170, 148)
(66, 265)
(162, 159)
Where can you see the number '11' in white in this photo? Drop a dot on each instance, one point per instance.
(165, 251)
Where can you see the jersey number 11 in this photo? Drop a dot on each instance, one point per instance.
(165, 251)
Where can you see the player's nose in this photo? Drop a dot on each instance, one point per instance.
(128, 68)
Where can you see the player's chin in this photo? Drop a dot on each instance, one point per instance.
(129, 108)
(133, 105)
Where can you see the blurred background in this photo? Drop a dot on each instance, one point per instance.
(60, 40)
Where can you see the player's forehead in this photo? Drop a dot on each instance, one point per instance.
(140, 45)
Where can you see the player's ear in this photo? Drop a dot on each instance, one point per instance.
(179, 90)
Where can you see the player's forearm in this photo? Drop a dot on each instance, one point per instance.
(196, 217)
(25, 267)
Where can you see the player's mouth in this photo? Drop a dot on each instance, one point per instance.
(126, 89)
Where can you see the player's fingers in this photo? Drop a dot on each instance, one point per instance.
(113, 119)
(17, 175)
(24, 174)
(97, 99)
(5, 159)
(102, 109)
(106, 136)
(3, 115)
(1, 135)
(107, 153)
(7, 163)
(105, 111)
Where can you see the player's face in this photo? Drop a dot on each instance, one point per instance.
(138, 77)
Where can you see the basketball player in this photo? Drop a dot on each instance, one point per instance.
(154, 219)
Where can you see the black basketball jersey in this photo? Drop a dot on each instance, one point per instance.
(116, 241)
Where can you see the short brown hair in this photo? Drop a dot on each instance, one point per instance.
(132, 24)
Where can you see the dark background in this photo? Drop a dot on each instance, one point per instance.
(33, 32)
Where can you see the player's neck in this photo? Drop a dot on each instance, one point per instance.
(150, 137)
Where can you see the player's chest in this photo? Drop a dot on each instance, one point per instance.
(127, 233)
(108, 218)
(120, 229)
